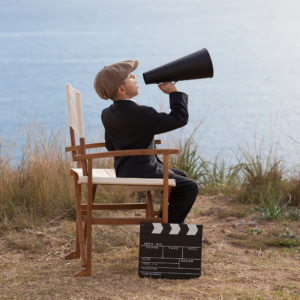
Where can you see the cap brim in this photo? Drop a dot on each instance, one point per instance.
(135, 65)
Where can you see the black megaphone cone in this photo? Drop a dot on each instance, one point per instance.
(197, 65)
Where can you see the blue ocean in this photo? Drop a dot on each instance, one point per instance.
(254, 46)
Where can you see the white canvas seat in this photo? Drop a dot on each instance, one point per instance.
(84, 173)
(108, 177)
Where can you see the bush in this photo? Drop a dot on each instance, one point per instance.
(188, 158)
(271, 207)
(260, 175)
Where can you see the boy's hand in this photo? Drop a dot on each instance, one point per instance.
(167, 87)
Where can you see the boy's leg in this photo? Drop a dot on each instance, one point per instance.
(182, 198)
(179, 172)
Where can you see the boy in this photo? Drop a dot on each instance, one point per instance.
(132, 126)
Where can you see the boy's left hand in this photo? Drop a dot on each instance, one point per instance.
(167, 87)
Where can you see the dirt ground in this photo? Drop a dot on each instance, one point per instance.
(242, 258)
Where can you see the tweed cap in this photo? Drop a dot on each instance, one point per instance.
(108, 80)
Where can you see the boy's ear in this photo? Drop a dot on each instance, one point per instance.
(121, 90)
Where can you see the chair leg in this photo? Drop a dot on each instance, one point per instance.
(79, 222)
(89, 218)
(85, 221)
(165, 205)
(149, 205)
(161, 206)
(74, 253)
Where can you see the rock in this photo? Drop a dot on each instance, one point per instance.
(287, 233)
(206, 241)
(214, 210)
(230, 219)
(253, 223)
(40, 234)
(242, 222)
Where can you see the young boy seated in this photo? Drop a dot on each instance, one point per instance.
(129, 125)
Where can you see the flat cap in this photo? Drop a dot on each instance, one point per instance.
(108, 80)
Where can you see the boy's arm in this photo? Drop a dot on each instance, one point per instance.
(156, 123)
(108, 143)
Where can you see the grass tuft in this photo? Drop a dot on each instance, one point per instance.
(189, 159)
(35, 187)
(260, 174)
(271, 207)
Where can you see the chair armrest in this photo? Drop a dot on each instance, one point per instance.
(134, 152)
(87, 146)
(94, 145)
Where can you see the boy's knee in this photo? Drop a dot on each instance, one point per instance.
(184, 174)
(197, 187)
(194, 186)
(181, 173)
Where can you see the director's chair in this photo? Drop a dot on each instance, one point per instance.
(86, 174)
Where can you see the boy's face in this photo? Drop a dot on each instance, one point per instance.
(131, 89)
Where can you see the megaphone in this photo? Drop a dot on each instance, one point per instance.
(197, 65)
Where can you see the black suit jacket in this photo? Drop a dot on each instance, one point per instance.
(132, 126)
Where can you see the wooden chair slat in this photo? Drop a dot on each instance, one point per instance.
(125, 221)
(150, 204)
(134, 152)
(87, 146)
(115, 206)
(94, 145)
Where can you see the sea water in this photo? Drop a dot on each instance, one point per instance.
(254, 46)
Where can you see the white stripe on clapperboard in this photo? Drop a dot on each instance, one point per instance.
(158, 228)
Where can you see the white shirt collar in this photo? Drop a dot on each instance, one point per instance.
(131, 100)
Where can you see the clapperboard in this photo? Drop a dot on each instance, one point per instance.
(170, 250)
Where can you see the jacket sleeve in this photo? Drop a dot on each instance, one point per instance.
(108, 143)
(156, 123)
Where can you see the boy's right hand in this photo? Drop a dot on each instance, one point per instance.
(167, 87)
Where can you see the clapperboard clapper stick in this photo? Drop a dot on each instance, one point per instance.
(170, 251)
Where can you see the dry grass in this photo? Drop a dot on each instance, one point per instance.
(35, 186)
(36, 229)
(35, 183)
(32, 264)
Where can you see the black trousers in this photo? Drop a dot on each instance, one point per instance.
(182, 196)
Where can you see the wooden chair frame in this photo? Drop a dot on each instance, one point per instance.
(83, 248)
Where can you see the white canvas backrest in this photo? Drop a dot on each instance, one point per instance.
(75, 110)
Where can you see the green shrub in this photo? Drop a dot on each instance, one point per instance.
(260, 175)
(287, 242)
(188, 158)
(219, 178)
(271, 207)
